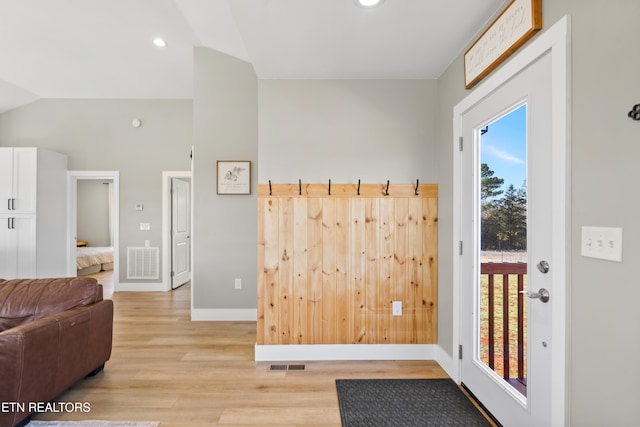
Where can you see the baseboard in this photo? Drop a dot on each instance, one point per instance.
(448, 363)
(224, 314)
(311, 352)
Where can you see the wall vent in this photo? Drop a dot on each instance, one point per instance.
(143, 263)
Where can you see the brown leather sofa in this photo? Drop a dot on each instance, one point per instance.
(53, 332)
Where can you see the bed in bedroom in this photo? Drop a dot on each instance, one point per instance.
(92, 260)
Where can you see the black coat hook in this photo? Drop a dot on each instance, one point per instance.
(300, 187)
(386, 193)
(417, 185)
(635, 112)
(358, 187)
(270, 192)
(329, 187)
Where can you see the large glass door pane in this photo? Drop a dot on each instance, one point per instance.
(503, 247)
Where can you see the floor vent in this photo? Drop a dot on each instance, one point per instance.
(143, 263)
(298, 367)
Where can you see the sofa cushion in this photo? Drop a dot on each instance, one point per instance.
(26, 300)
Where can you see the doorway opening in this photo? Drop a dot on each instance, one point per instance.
(93, 223)
(176, 226)
(538, 75)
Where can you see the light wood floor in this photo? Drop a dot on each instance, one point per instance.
(167, 368)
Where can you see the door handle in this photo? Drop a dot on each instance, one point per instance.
(542, 294)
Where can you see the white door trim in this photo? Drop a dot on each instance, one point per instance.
(166, 224)
(557, 40)
(72, 211)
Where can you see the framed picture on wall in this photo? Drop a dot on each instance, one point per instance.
(234, 176)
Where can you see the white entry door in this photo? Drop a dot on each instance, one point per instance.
(522, 399)
(180, 232)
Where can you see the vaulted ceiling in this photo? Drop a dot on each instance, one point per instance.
(104, 49)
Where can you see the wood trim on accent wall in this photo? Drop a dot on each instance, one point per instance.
(347, 190)
(329, 266)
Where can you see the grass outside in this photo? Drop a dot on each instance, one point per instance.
(498, 324)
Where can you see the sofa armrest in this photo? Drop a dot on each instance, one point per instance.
(28, 361)
(41, 359)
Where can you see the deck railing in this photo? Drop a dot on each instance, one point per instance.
(509, 321)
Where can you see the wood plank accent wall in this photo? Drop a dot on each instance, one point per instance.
(329, 266)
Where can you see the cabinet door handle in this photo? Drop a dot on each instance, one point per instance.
(13, 223)
(9, 223)
(8, 204)
(13, 204)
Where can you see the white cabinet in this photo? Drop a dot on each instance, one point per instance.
(33, 203)
(18, 237)
(18, 180)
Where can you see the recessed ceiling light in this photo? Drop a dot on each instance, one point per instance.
(159, 42)
(368, 3)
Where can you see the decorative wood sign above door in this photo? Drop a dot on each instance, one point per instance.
(515, 25)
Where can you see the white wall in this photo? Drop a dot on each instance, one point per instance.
(605, 154)
(225, 247)
(345, 130)
(93, 212)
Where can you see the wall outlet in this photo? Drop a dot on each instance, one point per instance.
(145, 226)
(397, 308)
(238, 283)
(602, 243)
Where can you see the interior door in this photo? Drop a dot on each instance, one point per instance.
(180, 232)
(530, 88)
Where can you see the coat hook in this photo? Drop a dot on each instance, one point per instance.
(358, 187)
(299, 187)
(635, 112)
(387, 190)
(417, 185)
(270, 192)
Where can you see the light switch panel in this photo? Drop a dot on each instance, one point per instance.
(602, 243)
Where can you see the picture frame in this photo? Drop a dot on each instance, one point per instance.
(233, 177)
(517, 23)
